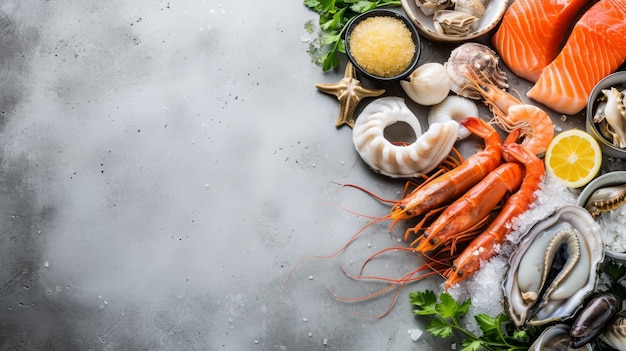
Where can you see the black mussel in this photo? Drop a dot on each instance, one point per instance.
(595, 314)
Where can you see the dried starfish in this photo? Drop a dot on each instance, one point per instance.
(349, 92)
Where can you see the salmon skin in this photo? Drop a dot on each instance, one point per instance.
(531, 34)
(595, 48)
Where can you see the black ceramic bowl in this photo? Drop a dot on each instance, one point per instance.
(384, 13)
(617, 80)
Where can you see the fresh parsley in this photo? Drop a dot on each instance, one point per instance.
(334, 16)
(498, 333)
(615, 273)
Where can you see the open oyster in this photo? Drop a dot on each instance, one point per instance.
(553, 268)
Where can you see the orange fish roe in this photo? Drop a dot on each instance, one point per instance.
(382, 46)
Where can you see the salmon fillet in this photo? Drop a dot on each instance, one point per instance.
(532, 32)
(595, 48)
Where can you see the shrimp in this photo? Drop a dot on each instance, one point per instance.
(462, 219)
(484, 246)
(452, 184)
(536, 127)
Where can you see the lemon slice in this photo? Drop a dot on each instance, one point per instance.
(574, 157)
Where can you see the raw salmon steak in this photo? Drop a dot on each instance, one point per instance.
(595, 48)
(532, 32)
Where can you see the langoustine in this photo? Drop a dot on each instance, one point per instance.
(595, 48)
(536, 127)
(462, 219)
(484, 246)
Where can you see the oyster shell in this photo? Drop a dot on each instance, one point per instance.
(556, 337)
(560, 256)
(429, 7)
(479, 58)
(615, 333)
(453, 22)
(475, 8)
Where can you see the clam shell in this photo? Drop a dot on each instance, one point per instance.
(482, 60)
(553, 268)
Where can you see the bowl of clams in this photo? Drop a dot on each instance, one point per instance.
(606, 114)
(454, 21)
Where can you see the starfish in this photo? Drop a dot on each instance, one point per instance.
(349, 92)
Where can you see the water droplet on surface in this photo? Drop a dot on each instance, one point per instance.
(311, 277)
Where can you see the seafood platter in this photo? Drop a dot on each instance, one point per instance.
(483, 118)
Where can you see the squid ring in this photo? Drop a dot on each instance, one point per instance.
(395, 160)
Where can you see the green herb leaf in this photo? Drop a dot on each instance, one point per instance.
(439, 327)
(448, 306)
(490, 326)
(471, 345)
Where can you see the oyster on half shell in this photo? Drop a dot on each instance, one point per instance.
(553, 268)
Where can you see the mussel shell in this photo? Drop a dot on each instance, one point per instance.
(594, 315)
(556, 338)
(563, 296)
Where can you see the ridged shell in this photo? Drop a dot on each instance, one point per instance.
(399, 161)
(615, 334)
(480, 58)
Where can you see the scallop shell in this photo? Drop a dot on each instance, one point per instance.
(481, 59)
(396, 160)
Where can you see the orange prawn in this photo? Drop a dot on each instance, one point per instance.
(445, 188)
(483, 247)
(536, 127)
(461, 220)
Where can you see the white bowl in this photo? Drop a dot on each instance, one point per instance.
(494, 10)
(605, 180)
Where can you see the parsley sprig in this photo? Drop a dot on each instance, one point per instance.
(498, 332)
(334, 16)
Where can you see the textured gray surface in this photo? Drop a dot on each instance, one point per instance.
(164, 166)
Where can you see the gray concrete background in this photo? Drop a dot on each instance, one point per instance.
(164, 165)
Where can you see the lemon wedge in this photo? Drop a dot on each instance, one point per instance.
(574, 157)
